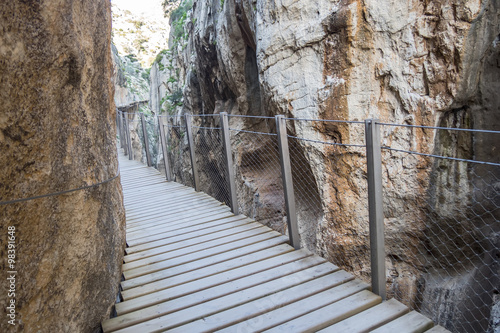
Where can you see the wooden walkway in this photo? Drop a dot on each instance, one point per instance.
(193, 266)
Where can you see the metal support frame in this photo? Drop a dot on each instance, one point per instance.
(123, 139)
(189, 132)
(375, 206)
(164, 146)
(286, 175)
(122, 133)
(127, 134)
(146, 141)
(119, 126)
(228, 156)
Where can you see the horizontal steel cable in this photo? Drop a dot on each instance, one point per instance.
(326, 142)
(439, 156)
(59, 193)
(209, 128)
(240, 130)
(441, 128)
(329, 120)
(245, 116)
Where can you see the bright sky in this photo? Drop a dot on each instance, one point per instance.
(149, 8)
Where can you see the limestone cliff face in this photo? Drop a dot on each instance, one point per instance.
(411, 62)
(57, 132)
(131, 83)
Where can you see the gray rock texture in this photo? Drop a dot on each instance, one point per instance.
(431, 63)
(57, 132)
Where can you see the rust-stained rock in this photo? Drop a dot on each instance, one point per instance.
(57, 132)
(431, 63)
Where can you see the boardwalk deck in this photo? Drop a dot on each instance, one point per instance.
(193, 266)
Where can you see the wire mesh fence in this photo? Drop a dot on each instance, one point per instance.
(178, 151)
(442, 229)
(210, 159)
(329, 178)
(258, 171)
(440, 202)
(152, 135)
(140, 140)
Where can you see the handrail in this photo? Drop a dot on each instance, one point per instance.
(214, 142)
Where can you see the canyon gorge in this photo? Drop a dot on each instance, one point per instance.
(414, 65)
(423, 63)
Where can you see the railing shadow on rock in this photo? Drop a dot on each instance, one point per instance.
(409, 208)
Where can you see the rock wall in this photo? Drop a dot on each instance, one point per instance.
(131, 83)
(57, 132)
(411, 62)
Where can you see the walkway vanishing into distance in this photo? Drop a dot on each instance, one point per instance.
(193, 266)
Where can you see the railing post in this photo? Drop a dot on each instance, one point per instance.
(375, 206)
(119, 127)
(286, 175)
(127, 134)
(224, 121)
(189, 132)
(146, 142)
(118, 132)
(123, 139)
(164, 147)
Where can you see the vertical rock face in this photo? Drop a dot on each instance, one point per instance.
(131, 95)
(57, 132)
(407, 62)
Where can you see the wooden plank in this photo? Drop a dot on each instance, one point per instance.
(257, 310)
(138, 175)
(205, 271)
(204, 262)
(182, 202)
(147, 184)
(199, 254)
(181, 199)
(125, 168)
(181, 218)
(182, 247)
(183, 241)
(163, 196)
(201, 232)
(203, 209)
(412, 322)
(179, 228)
(132, 193)
(152, 238)
(195, 267)
(134, 201)
(267, 269)
(176, 228)
(167, 315)
(165, 185)
(177, 225)
(132, 172)
(369, 319)
(160, 201)
(211, 215)
(297, 309)
(202, 206)
(141, 180)
(330, 314)
(190, 231)
(192, 201)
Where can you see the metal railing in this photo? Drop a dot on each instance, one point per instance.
(418, 220)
